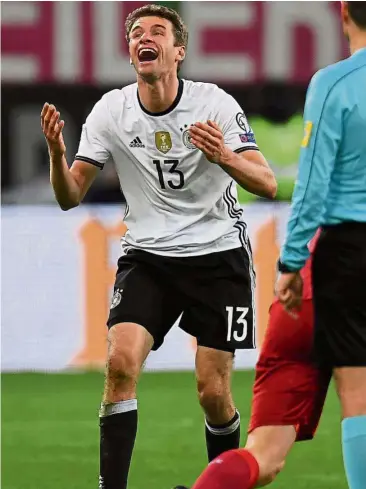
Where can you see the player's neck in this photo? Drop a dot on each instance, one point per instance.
(159, 95)
(357, 42)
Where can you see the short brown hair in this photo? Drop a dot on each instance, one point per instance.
(357, 11)
(152, 10)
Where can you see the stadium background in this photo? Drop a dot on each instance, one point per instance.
(57, 268)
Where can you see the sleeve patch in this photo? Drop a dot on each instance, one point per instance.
(242, 122)
(307, 134)
(247, 138)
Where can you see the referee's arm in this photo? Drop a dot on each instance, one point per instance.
(323, 127)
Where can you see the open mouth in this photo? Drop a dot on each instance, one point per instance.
(147, 54)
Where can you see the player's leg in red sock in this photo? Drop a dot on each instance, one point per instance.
(255, 465)
(270, 445)
(235, 469)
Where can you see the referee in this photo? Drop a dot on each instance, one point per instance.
(331, 192)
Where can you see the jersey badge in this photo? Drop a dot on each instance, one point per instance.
(116, 299)
(186, 137)
(242, 122)
(163, 141)
(307, 134)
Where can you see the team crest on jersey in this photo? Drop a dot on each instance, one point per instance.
(163, 141)
(187, 140)
(186, 137)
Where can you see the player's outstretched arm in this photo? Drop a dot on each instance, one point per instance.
(69, 185)
(249, 169)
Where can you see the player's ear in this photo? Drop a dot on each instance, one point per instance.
(181, 53)
(344, 12)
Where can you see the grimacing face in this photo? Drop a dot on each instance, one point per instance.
(151, 47)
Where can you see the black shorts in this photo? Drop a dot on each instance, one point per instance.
(214, 292)
(339, 293)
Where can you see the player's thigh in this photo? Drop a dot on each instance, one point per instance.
(221, 312)
(289, 394)
(351, 388)
(289, 388)
(142, 297)
(288, 337)
(213, 370)
(339, 287)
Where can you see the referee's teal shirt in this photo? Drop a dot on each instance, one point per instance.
(331, 184)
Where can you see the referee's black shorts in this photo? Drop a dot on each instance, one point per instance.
(339, 292)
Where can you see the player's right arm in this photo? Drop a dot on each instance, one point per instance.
(71, 184)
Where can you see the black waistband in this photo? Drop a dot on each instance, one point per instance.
(354, 227)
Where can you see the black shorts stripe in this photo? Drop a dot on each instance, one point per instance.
(243, 236)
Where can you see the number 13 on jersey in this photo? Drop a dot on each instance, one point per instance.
(237, 326)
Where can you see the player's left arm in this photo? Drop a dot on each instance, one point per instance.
(323, 132)
(252, 172)
(230, 142)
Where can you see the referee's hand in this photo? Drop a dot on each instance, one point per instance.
(52, 129)
(288, 289)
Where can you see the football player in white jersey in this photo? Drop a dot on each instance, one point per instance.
(179, 148)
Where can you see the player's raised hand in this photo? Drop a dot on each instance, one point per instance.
(209, 139)
(52, 129)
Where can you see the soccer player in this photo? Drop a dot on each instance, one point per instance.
(179, 148)
(288, 398)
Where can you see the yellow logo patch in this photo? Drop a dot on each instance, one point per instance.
(307, 134)
(163, 141)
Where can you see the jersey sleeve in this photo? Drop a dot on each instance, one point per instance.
(94, 146)
(322, 137)
(237, 132)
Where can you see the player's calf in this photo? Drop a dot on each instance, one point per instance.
(216, 401)
(129, 345)
(351, 389)
(270, 445)
(213, 371)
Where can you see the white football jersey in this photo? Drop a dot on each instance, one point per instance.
(178, 203)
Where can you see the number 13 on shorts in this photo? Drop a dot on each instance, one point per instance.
(237, 325)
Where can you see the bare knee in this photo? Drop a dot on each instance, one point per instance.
(216, 401)
(122, 366)
(351, 389)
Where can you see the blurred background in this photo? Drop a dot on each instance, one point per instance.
(58, 268)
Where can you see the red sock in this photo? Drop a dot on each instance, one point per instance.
(235, 469)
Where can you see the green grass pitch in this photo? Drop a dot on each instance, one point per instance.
(50, 434)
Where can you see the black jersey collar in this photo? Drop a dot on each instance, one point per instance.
(169, 109)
